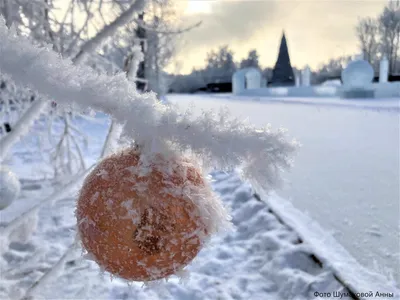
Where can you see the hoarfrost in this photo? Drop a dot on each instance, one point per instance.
(10, 187)
(260, 152)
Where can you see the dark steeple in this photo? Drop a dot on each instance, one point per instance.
(282, 75)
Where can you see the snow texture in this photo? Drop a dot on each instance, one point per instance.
(9, 187)
(221, 141)
(346, 175)
(261, 259)
(332, 254)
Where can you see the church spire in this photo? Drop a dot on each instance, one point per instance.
(282, 74)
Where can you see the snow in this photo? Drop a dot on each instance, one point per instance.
(358, 74)
(324, 91)
(9, 187)
(391, 105)
(346, 174)
(261, 259)
(327, 249)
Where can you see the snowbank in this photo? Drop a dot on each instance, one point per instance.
(382, 90)
(329, 251)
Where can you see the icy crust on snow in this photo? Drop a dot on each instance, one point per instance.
(221, 140)
(174, 177)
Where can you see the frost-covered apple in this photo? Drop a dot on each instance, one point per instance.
(10, 187)
(144, 216)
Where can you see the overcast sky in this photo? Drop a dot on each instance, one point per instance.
(316, 30)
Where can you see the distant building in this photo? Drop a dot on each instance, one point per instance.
(246, 79)
(282, 74)
(218, 84)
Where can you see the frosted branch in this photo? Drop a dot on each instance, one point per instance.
(21, 127)
(169, 31)
(50, 275)
(109, 30)
(34, 111)
(113, 135)
(222, 141)
(58, 194)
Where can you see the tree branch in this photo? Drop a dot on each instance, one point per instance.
(109, 30)
(259, 151)
(166, 32)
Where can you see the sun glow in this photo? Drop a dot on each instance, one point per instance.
(198, 7)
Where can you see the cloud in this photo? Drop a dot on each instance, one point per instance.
(230, 21)
(316, 30)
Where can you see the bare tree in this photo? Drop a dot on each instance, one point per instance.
(367, 32)
(252, 60)
(389, 26)
(380, 37)
(163, 26)
(70, 39)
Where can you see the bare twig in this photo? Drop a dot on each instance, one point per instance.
(108, 30)
(167, 32)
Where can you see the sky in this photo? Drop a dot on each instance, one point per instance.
(316, 30)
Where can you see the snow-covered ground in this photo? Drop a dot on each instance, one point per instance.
(261, 259)
(346, 175)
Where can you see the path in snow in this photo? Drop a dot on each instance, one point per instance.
(346, 175)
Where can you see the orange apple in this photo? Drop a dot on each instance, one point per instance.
(135, 215)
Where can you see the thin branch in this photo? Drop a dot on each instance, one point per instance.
(50, 275)
(21, 127)
(34, 111)
(257, 150)
(167, 32)
(56, 195)
(113, 134)
(80, 154)
(109, 30)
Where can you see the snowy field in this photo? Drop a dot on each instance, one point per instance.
(261, 259)
(346, 175)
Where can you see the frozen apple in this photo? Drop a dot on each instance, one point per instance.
(136, 215)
